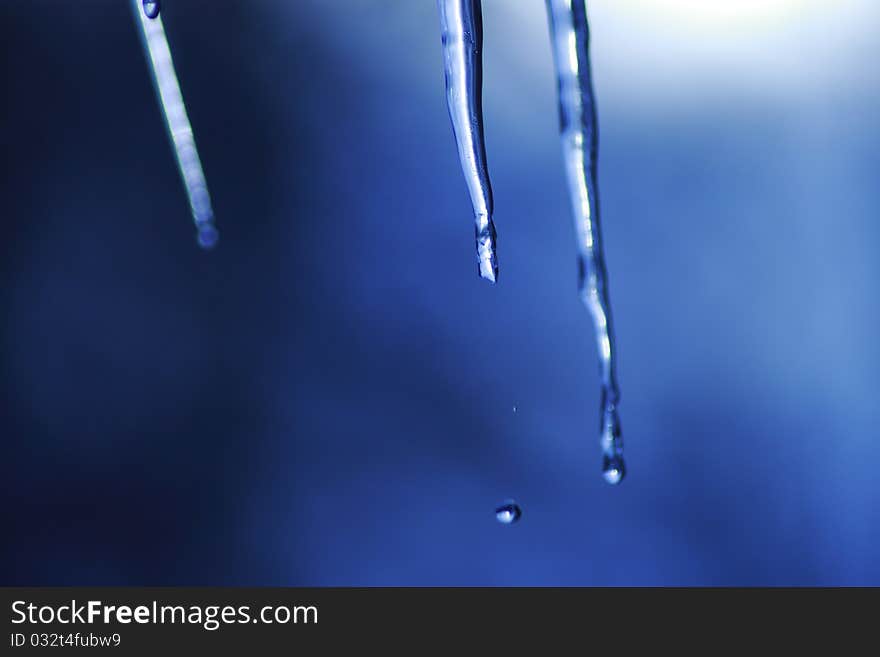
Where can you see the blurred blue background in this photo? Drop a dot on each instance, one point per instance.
(327, 398)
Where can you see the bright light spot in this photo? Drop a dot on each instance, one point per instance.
(702, 14)
(572, 53)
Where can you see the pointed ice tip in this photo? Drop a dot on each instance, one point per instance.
(489, 272)
(613, 469)
(486, 258)
(207, 236)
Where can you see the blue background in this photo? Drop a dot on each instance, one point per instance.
(328, 397)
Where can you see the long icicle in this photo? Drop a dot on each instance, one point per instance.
(179, 128)
(570, 36)
(462, 32)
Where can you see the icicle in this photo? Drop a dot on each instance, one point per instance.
(462, 32)
(179, 128)
(570, 37)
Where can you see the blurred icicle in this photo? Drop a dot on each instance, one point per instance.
(179, 128)
(570, 36)
(461, 24)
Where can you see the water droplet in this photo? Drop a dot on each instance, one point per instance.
(514, 408)
(151, 8)
(613, 469)
(508, 513)
(208, 236)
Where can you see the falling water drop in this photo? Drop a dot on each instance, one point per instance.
(514, 408)
(508, 513)
(151, 8)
